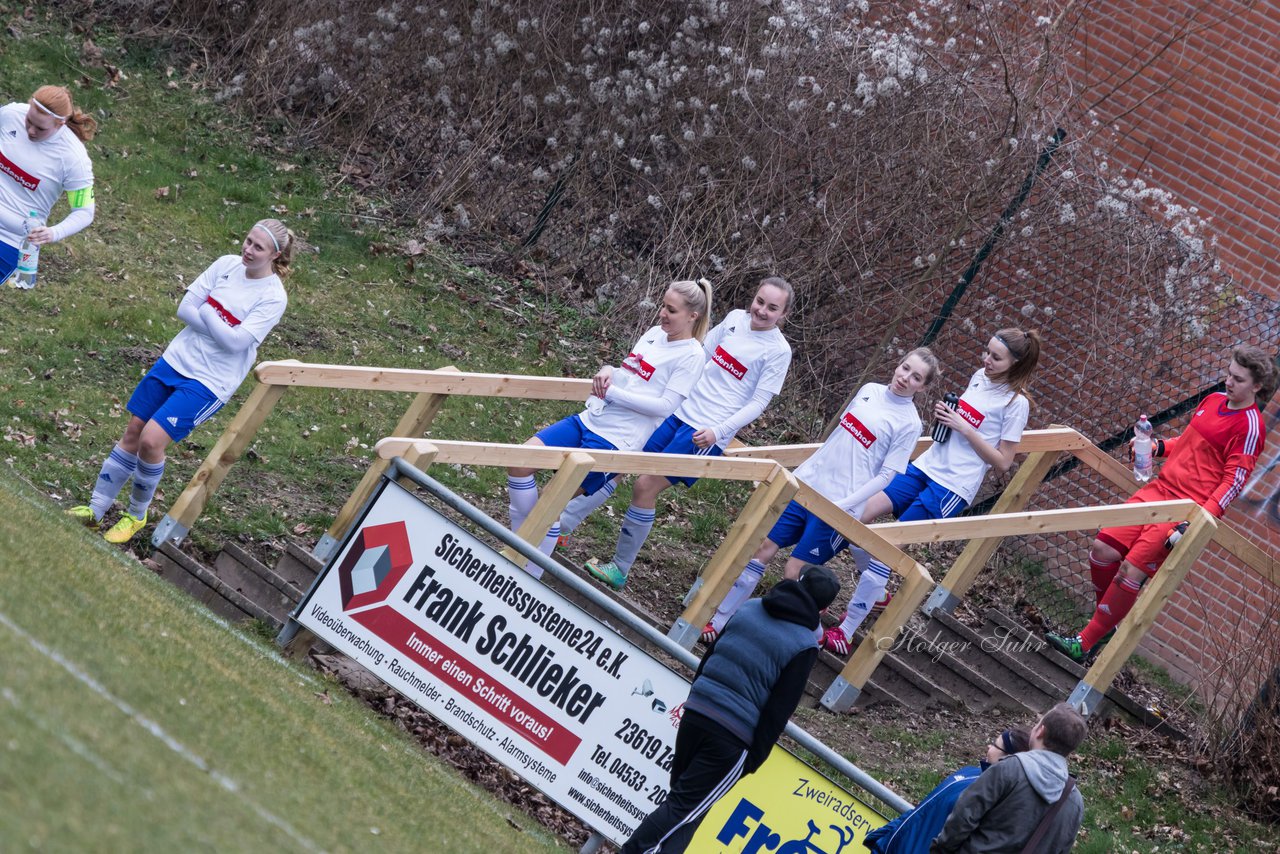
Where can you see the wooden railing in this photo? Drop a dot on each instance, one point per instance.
(432, 389)
(774, 487)
(1008, 518)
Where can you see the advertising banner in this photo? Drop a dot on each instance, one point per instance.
(786, 808)
(566, 703)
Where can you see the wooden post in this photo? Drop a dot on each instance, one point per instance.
(415, 421)
(1089, 692)
(766, 504)
(1015, 497)
(420, 456)
(1262, 562)
(230, 446)
(878, 641)
(1120, 475)
(551, 503)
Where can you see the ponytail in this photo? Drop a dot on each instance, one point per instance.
(283, 241)
(697, 298)
(56, 100)
(1024, 347)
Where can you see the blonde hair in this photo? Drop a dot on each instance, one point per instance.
(284, 244)
(697, 298)
(57, 100)
(930, 360)
(1261, 367)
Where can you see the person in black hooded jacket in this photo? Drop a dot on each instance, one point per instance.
(746, 687)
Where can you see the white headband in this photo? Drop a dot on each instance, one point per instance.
(274, 242)
(49, 111)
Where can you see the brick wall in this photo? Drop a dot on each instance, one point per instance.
(1200, 120)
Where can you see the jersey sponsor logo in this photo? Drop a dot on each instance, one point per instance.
(17, 173)
(725, 359)
(636, 364)
(858, 430)
(968, 413)
(173, 422)
(230, 318)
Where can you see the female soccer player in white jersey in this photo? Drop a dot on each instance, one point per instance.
(986, 427)
(228, 310)
(871, 444)
(42, 153)
(747, 360)
(629, 402)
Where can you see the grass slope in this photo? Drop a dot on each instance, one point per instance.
(180, 178)
(131, 720)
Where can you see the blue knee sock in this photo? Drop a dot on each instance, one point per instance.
(636, 526)
(117, 468)
(145, 480)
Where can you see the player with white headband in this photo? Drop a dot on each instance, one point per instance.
(228, 311)
(747, 361)
(42, 154)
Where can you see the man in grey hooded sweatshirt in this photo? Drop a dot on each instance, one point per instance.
(1001, 811)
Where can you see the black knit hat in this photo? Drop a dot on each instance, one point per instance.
(820, 583)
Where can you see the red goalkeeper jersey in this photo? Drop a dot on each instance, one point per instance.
(1212, 460)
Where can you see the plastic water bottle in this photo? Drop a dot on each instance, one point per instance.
(1143, 464)
(24, 276)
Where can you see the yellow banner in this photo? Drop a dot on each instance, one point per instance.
(786, 808)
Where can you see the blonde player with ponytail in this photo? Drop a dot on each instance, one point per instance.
(228, 311)
(629, 402)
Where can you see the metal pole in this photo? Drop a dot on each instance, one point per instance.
(399, 468)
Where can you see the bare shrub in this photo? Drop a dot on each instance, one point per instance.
(863, 152)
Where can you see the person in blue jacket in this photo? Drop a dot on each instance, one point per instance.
(911, 832)
(746, 688)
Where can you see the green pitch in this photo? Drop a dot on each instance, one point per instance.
(132, 720)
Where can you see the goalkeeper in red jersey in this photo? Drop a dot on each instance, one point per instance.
(1209, 464)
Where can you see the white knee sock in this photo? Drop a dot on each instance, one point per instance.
(871, 586)
(547, 546)
(523, 492)
(636, 526)
(583, 506)
(739, 593)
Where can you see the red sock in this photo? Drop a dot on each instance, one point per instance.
(1102, 574)
(1119, 600)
